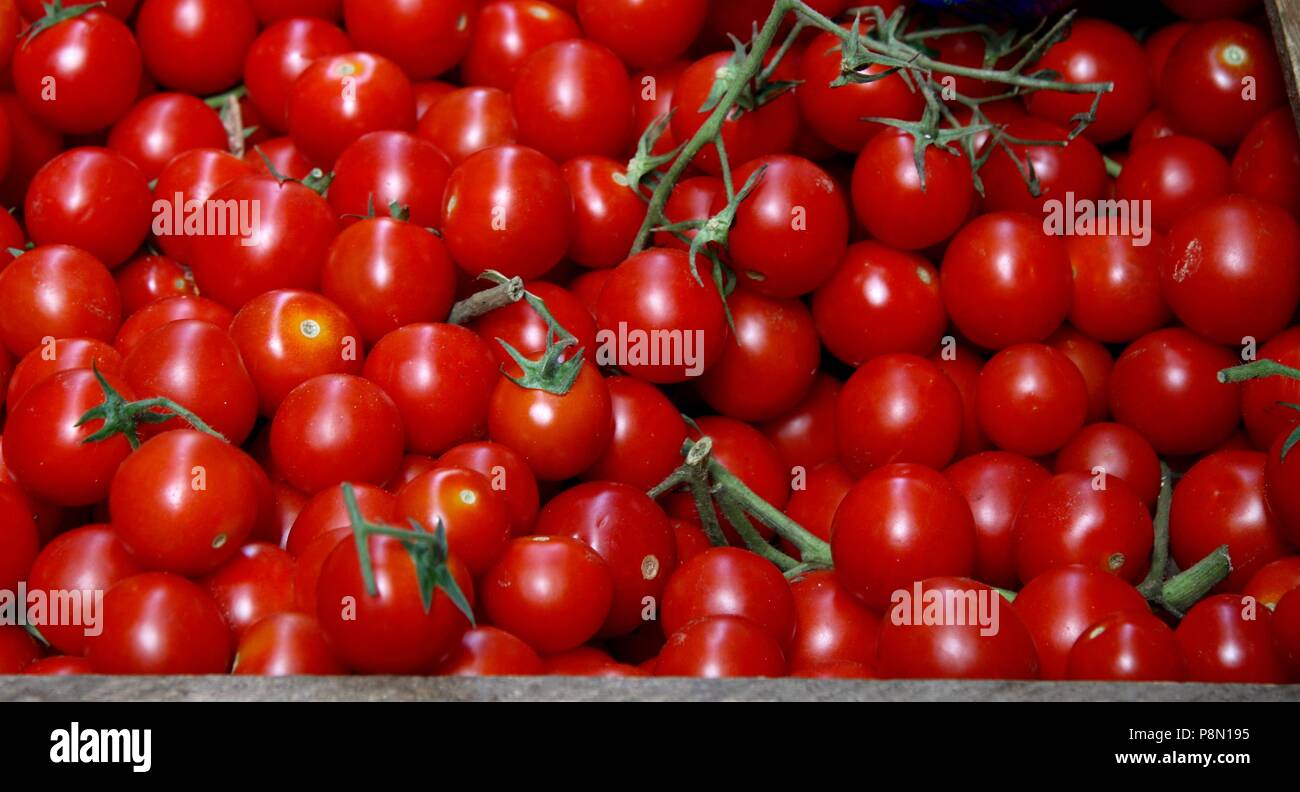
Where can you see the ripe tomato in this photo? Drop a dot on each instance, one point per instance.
(285, 644)
(256, 583)
(522, 327)
(646, 444)
(189, 180)
(164, 312)
(147, 279)
(159, 623)
(507, 208)
(1221, 501)
(441, 377)
(327, 512)
(572, 98)
(162, 126)
(18, 649)
(283, 238)
(506, 33)
(643, 33)
(805, 436)
(894, 205)
(336, 428)
(184, 503)
(729, 581)
(813, 504)
(387, 274)
(1286, 631)
(831, 626)
(693, 198)
(769, 363)
(1094, 362)
(897, 408)
(1226, 639)
(282, 155)
(1175, 174)
(1221, 77)
(1264, 401)
(195, 46)
(508, 473)
(554, 592)
(1116, 450)
(286, 337)
(1074, 168)
(899, 524)
(1116, 286)
(389, 632)
(607, 213)
(1153, 126)
(791, 230)
(383, 169)
(1233, 270)
(1004, 281)
(1096, 51)
(1128, 646)
(1282, 489)
(487, 651)
(1165, 385)
(56, 291)
(279, 55)
(95, 64)
(469, 120)
(633, 535)
(558, 435)
(45, 450)
(1267, 163)
(961, 648)
(19, 538)
(476, 517)
(91, 198)
(1060, 605)
(995, 484)
(339, 98)
(197, 365)
(1031, 399)
(1274, 580)
(835, 114)
(425, 38)
(721, 646)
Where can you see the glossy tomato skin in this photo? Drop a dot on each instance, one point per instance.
(147, 279)
(572, 98)
(1165, 385)
(805, 436)
(469, 120)
(878, 301)
(91, 198)
(164, 312)
(906, 648)
(19, 537)
(387, 274)
(558, 435)
(174, 519)
(1113, 449)
(162, 126)
(326, 511)
(729, 581)
(488, 651)
(1031, 399)
(1263, 401)
(339, 98)
(1282, 488)
(554, 592)
(1176, 174)
(32, 145)
(507, 208)
(831, 625)
(643, 33)
(1274, 580)
(1117, 295)
(646, 443)
(899, 524)
(160, 623)
(195, 46)
(197, 365)
(815, 499)
(94, 61)
(1004, 281)
(902, 207)
(1233, 270)
(607, 213)
(285, 644)
(425, 38)
(475, 517)
(1128, 646)
(1073, 168)
(523, 328)
(1202, 88)
(1226, 639)
(1286, 631)
(441, 378)
(631, 532)
(508, 473)
(286, 337)
(256, 583)
(56, 291)
(381, 169)
(391, 632)
(770, 360)
(193, 176)
(995, 484)
(364, 443)
(1267, 163)
(281, 53)
(1061, 604)
(897, 408)
(506, 33)
(45, 450)
(721, 646)
(1221, 501)
(791, 230)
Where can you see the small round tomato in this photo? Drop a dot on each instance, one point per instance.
(1112, 449)
(643, 33)
(607, 213)
(162, 126)
(256, 583)
(335, 428)
(805, 436)
(487, 651)
(442, 378)
(286, 337)
(32, 145)
(1165, 385)
(195, 46)
(160, 623)
(1219, 501)
(1004, 281)
(285, 644)
(475, 517)
(572, 98)
(1031, 399)
(1274, 580)
(383, 170)
(507, 208)
(831, 625)
(729, 581)
(693, 198)
(1174, 174)
(554, 592)
(279, 155)
(968, 647)
(1128, 646)
(1264, 402)
(995, 484)
(327, 511)
(339, 98)
(1093, 361)
(281, 53)
(1267, 163)
(164, 312)
(1064, 171)
(903, 207)
(425, 38)
(559, 435)
(1286, 631)
(469, 120)
(189, 180)
(387, 274)
(506, 33)
(509, 475)
(646, 445)
(1116, 286)
(1226, 639)
(56, 291)
(899, 524)
(897, 408)
(91, 198)
(148, 279)
(721, 646)
(524, 328)
(19, 538)
(1282, 488)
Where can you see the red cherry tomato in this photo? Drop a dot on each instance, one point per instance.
(1116, 286)
(192, 176)
(1116, 450)
(90, 198)
(475, 517)
(386, 169)
(147, 279)
(506, 33)
(898, 205)
(1129, 646)
(469, 120)
(339, 98)
(814, 504)
(509, 475)
(195, 46)
(1267, 163)
(572, 98)
(164, 312)
(160, 623)
(19, 538)
(831, 626)
(995, 484)
(56, 291)
(1175, 174)
(1226, 639)
(728, 581)
(326, 511)
(721, 646)
(1066, 173)
(285, 644)
(648, 435)
(18, 649)
(1274, 580)
(255, 584)
(805, 436)
(425, 38)
(1031, 399)
(607, 213)
(487, 651)
(558, 435)
(281, 53)
(162, 126)
(643, 33)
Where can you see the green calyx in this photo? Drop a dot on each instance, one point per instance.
(56, 12)
(122, 417)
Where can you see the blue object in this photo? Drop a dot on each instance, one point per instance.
(1001, 9)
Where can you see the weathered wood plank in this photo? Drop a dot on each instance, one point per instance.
(1284, 18)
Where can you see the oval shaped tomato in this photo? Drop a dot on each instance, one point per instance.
(281, 53)
(607, 213)
(160, 623)
(91, 198)
(571, 98)
(1228, 640)
(162, 126)
(506, 33)
(1064, 171)
(646, 443)
(339, 98)
(469, 120)
(327, 511)
(831, 625)
(1267, 163)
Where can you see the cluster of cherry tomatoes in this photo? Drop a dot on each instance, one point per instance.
(196, 421)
